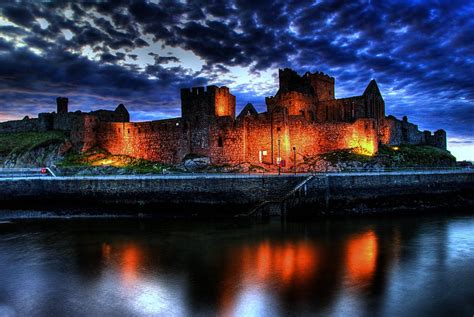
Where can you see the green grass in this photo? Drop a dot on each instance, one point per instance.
(27, 141)
(396, 156)
(344, 156)
(417, 155)
(100, 157)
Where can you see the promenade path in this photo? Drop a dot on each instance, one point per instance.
(9, 174)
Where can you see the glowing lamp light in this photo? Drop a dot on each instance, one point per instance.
(261, 155)
(396, 148)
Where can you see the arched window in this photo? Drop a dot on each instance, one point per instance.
(219, 142)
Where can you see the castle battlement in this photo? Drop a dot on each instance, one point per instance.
(204, 91)
(320, 76)
(288, 95)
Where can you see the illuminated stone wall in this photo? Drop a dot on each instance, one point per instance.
(161, 141)
(226, 145)
(295, 102)
(255, 139)
(311, 139)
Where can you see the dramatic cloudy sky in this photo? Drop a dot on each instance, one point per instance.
(140, 53)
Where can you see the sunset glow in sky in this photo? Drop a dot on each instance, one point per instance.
(140, 53)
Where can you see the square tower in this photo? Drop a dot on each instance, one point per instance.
(62, 105)
(200, 104)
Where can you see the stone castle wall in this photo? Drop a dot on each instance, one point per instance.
(303, 116)
(296, 102)
(253, 139)
(25, 125)
(161, 141)
(395, 132)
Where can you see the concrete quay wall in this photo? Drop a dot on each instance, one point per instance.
(140, 191)
(226, 192)
(334, 193)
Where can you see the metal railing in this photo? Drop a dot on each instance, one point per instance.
(50, 172)
(26, 172)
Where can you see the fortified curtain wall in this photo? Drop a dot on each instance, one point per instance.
(253, 139)
(309, 139)
(161, 141)
(156, 141)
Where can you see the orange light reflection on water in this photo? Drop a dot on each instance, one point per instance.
(361, 257)
(106, 250)
(130, 262)
(267, 266)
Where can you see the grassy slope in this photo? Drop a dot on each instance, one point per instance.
(99, 157)
(26, 141)
(399, 156)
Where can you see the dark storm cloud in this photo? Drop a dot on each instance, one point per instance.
(18, 14)
(5, 46)
(163, 59)
(420, 52)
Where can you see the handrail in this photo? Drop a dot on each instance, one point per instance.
(285, 197)
(25, 171)
(51, 172)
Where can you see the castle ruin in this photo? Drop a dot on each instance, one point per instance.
(302, 119)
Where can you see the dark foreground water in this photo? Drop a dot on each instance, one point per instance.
(416, 266)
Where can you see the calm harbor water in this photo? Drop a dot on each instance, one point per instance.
(405, 266)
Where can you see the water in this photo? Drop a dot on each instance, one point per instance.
(416, 266)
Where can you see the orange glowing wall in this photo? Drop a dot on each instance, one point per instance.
(257, 135)
(226, 144)
(295, 102)
(224, 102)
(311, 139)
(157, 140)
(230, 142)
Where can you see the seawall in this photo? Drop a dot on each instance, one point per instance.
(230, 194)
(374, 192)
(156, 193)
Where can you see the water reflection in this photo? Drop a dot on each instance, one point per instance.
(255, 274)
(361, 257)
(129, 264)
(333, 268)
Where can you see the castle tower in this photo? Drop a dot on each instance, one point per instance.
(301, 94)
(198, 104)
(322, 85)
(200, 110)
(62, 105)
(318, 84)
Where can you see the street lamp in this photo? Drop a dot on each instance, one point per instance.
(294, 158)
(279, 157)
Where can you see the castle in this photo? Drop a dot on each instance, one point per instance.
(302, 119)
